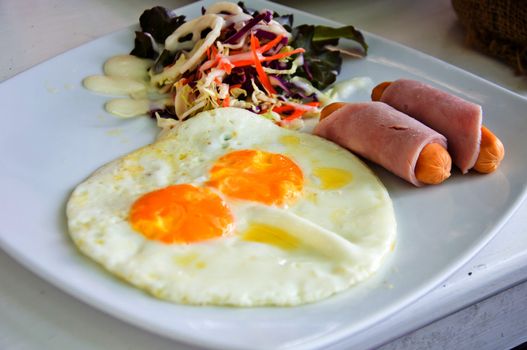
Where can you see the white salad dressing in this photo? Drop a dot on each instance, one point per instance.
(127, 75)
(128, 66)
(126, 107)
(114, 85)
(342, 90)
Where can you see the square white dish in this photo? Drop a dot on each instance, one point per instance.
(53, 137)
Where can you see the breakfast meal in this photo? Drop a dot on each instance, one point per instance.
(382, 134)
(233, 204)
(229, 208)
(470, 144)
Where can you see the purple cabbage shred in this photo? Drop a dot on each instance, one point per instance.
(265, 16)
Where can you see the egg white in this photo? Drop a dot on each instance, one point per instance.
(344, 232)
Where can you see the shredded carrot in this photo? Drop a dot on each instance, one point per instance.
(295, 115)
(225, 65)
(291, 111)
(243, 63)
(283, 54)
(288, 113)
(214, 50)
(283, 109)
(226, 101)
(264, 79)
(309, 106)
(271, 44)
(242, 59)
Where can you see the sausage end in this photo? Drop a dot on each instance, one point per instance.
(433, 165)
(332, 107)
(491, 152)
(377, 91)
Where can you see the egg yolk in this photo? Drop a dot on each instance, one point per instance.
(258, 176)
(332, 178)
(181, 214)
(267, 234)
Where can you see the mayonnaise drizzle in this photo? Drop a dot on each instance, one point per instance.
(114, 85)
(126, 75)
(126, 108)
(342, 90)
(128, 66)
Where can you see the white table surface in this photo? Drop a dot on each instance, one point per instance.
(483, 305)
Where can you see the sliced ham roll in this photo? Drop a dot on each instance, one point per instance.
(452, 116)
(381, 134)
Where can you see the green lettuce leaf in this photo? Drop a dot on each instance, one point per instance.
(143, 46)
(325, 35)
(160, 22)
(321, 65)
(157, 24)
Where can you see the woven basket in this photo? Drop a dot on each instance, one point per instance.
(496, 27)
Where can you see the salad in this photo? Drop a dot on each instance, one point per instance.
(235, 56)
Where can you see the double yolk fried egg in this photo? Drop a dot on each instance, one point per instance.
(229, 209)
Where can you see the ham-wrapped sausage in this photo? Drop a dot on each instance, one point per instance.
(459, 120)
(387, 137)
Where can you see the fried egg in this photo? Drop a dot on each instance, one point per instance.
(228, 208)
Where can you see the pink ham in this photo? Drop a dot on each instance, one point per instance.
(457, 119)
(381, 134)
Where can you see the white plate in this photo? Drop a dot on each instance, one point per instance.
(54, 133)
